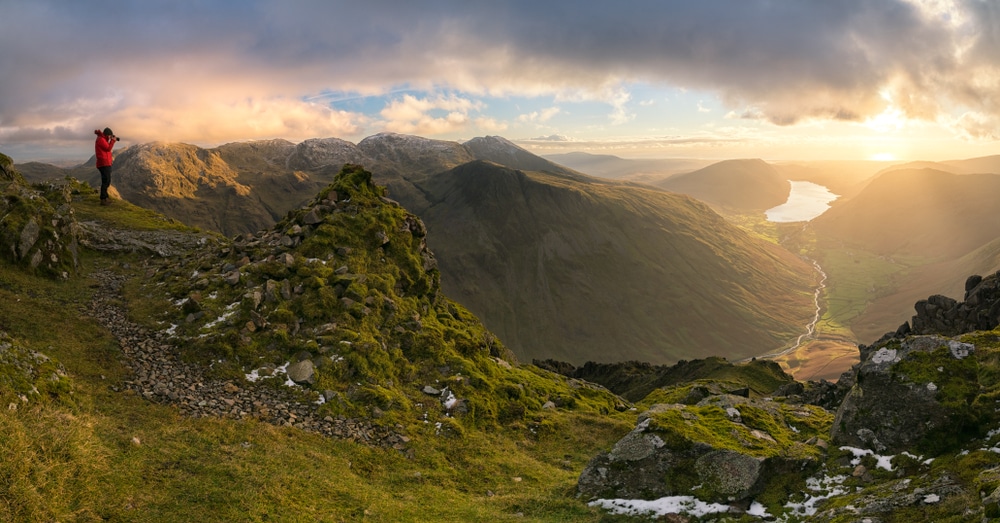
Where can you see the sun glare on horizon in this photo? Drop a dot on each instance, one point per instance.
(883, 157)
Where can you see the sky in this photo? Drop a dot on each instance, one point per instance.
(717, 79)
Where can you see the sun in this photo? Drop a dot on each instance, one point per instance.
(883, 157)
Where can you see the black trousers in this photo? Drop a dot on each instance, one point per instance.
(105, 181)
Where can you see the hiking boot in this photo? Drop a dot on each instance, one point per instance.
(105, 202)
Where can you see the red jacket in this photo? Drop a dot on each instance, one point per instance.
(102, 148)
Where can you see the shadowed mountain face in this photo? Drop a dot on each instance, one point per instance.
(738, 185)
(560, 265)
(594, 271)
(921, 212)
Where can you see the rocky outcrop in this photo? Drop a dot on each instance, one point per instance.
(38, 230)
(943, 315)
(724, 448)
(914, 394)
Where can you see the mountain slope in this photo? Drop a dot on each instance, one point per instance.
(610, 166)
(194, 185)
(922, 212)
(947, 278)
(579, 271)
(740, 185)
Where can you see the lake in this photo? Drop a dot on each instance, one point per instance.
(806, 201)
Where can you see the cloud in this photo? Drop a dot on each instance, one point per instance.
(439, 115)
(976, 126)
(620, 113)
(539, 116)
(234, 70)
(551, 138)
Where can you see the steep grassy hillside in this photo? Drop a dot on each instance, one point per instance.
(922, 212)
(607, 272)
(734, 185)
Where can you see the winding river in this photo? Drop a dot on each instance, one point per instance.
(811, 328)
(806, 200)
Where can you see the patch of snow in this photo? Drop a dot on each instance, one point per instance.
(450, 401)
(254, 375)
(931, 498)
(882, 462)
(756, 509)
(822, 488)
(688, 505)
(173, 328)
(225, 316)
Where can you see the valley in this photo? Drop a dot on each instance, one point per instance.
(538, 250)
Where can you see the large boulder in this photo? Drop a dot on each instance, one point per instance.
(725, 448)
(912, 394)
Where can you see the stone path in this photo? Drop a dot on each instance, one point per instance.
(160, 376)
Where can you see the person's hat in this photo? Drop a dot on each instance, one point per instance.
(107, 132)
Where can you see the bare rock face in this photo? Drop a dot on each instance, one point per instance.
(911, 394)
(942, 315)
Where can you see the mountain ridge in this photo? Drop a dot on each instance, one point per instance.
(741, 185)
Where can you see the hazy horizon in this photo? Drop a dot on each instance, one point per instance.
(897, 80)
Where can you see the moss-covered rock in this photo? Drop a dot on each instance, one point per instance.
(38, 231)
(921, 393)
(722, 447)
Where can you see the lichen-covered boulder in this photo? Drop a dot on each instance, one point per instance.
(725, 448)
(916, 393)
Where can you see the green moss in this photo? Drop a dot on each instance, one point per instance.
(27, 376)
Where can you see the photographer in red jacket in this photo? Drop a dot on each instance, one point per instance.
(102, 149)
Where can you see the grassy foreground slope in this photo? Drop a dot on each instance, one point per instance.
(91, 450)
